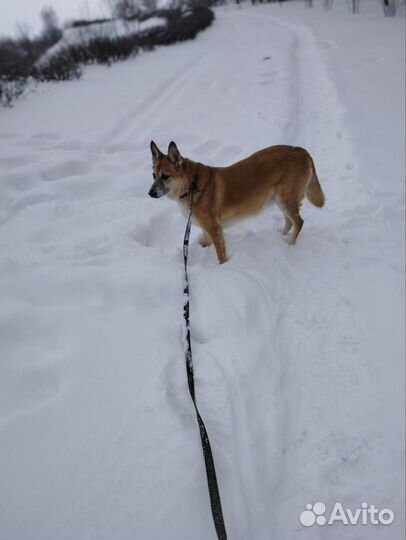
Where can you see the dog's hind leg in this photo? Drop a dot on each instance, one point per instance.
(287, 227)
(293, 214)
(291, 210)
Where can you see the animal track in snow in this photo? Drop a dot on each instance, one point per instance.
(70, 144)
(28, 389)
(46, 135)
(18, 181)
(8, 135)
(16, 161)
(26, 386)
(153, 234)
(66, 169)
(31, 200)
(94, 251)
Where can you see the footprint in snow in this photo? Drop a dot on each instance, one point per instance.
(8, 135)
(161, 230)
(66, 169)
(70, 144)
(13, 162)
(30, 200)
(27, 390)
(29, 379)
(18, 181)
(46, 135)
(95, 251)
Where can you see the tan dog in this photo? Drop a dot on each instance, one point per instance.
(224, 194)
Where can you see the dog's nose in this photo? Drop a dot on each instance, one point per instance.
(152, 193)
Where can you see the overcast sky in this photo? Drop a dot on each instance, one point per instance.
(27, 11)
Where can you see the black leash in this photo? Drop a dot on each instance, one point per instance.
(214, 493)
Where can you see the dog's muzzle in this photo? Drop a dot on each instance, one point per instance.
(157, 191)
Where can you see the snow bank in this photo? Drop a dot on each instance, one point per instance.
(109, 29)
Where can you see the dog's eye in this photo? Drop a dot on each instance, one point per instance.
(164, 176)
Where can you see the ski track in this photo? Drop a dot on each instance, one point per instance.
(243, 307)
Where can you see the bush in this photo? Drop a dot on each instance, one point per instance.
(11, 89)
(51, 30)
(124, 9)
(181, 26)
(15, 60)
(61, 67)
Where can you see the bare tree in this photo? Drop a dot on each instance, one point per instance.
(353, 5)
(123, 9)
(51, 30)
(390, 7)
(150, 4)
(23, 31)
(24, 41)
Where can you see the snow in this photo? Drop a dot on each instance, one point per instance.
(109, 29)
(298, 351)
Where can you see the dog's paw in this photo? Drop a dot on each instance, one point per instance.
(290, 241)
(205, 241)
(283, 230)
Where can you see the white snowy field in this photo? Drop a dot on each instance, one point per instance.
(298, 350)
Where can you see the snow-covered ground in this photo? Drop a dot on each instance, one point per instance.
(298, 350)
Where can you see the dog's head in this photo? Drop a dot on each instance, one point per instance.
(169, 177)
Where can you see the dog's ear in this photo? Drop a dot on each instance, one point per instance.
(156, 153)
(174, 154)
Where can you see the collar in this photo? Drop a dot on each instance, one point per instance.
(192, 189)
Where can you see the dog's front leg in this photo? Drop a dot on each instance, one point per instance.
(215, 231)
(205, 240)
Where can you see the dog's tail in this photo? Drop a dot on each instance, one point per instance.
(314, 192)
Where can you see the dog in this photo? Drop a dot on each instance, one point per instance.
(222, 195)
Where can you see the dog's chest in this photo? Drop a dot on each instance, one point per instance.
(184, 206)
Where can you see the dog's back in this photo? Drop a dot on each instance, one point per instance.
(285, 173)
